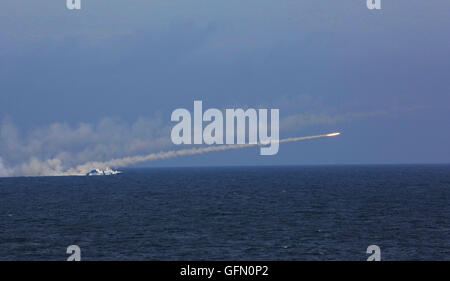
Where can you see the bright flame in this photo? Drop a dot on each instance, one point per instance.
(333, 134)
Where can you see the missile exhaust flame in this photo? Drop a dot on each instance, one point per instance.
(333, 134)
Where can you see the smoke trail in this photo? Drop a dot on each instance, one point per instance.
(127, 161)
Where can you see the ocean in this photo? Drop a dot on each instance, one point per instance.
(231, 213)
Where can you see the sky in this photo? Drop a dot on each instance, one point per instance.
(101, 82)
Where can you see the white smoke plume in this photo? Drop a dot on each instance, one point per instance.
(52, 150)
(61, 149)
(58, 136)
(128, 161)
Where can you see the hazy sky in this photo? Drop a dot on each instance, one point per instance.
(102, 82)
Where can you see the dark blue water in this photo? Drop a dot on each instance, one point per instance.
(270, 213)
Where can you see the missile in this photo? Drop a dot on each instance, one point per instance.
(333, 134)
